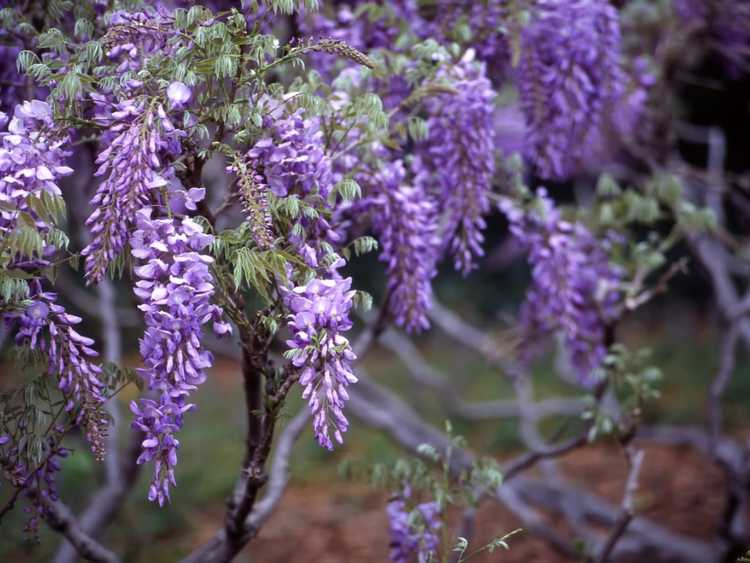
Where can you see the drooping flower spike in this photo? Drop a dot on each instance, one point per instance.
(175, 286)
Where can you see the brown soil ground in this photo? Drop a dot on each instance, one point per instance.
(677, 489)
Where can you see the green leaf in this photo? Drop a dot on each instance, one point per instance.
(25, 59)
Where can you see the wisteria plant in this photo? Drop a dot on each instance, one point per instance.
(230, 162)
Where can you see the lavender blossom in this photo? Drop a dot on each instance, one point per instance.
(405, 221)
(178, 95)
(574, 285)
(160, 421)
(406, 539)
(569, 72)
(319, 314)
(134, 36)
(293, 162)
(293, 157)
(32, 162)
(45, 326)
(133, 166)
(458, 162)
(176, 287)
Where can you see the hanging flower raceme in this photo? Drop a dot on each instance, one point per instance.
(292, 161)
(408, 540)
(293, 157)
(569, 72)
(44, 325)
(319, 315)
(574, 285)
(32, 162)
(405, 221)
(175, 286)
(458, 161)
(134, 165)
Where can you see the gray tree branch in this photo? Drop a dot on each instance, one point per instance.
(62, 520)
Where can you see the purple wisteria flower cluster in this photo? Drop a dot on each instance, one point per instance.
(39, 482)
(44, 325)
(574, 285)
(175, 286)
(485, 21)
(319, 314)
(406, 540)
(457, 162)
(292, 162)
(134, 165)
(569, 72)
(133, 36)
(293, 157)
(32, 162)
(348, 23)
(405, 221)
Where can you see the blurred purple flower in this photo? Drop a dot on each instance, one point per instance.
(405, 222)
(574, 285)
(178, 95)
(457, 161)
(569, 71)
(407, 541)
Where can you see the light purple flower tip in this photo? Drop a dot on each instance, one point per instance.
(178, 95)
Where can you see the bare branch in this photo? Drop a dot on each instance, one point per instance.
(528, 460)
(473, 338)
(380, 408)
(726, 451)
(427, 375)
(279, 475)
(727, 362)
(62, 520)
(643, 540)
(635, 460)
(218, 547)
(106, 502)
